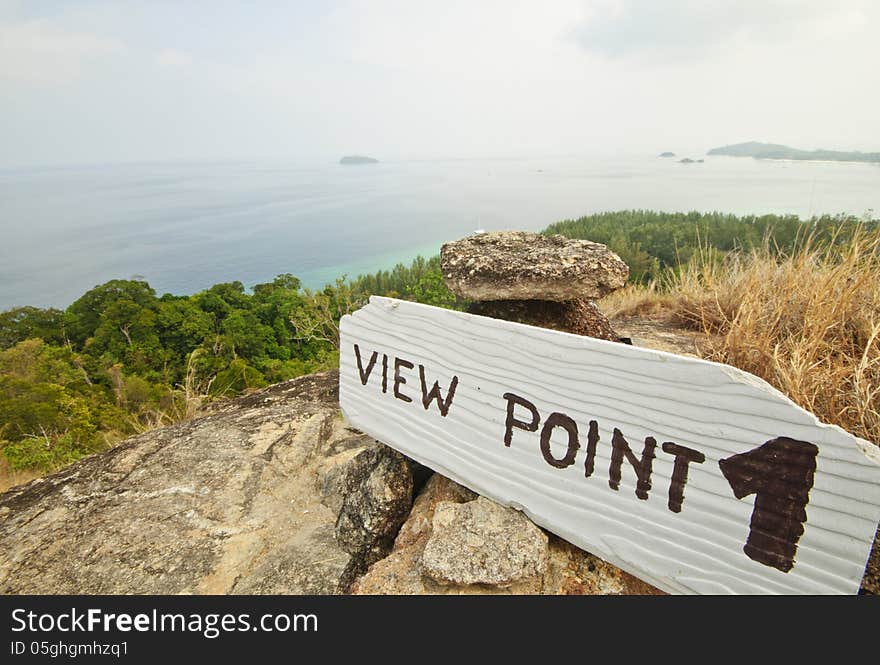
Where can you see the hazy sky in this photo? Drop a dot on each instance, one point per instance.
(111, 80)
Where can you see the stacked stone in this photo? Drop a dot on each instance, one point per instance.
(545, 281)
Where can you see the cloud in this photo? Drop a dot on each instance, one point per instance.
(171, 57)
(485, 40)
(38, 52)
(681, 29)
(435, 78)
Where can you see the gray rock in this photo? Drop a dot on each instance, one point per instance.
(517, 265)
(334, 481)
(399, 572)
(569, 570)
(377, 496)
(482, 542)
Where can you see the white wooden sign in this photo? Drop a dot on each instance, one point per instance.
(694, 476)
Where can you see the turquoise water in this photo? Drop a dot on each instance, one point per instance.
(184, 227)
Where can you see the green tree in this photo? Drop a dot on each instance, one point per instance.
(84, 316)
(236, 378)
(21, 323)
(50, 413)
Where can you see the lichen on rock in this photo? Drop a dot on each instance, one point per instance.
(376, 491)
(544, 281)
(518, 265)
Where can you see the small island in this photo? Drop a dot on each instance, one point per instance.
(686, 160)
(777, 151)
(358, 159)
(667, 154)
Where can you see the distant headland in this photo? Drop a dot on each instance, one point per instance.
(358, 159)
(777, 151)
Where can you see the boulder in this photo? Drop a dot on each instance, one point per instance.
(517, 265)
(482, 542)
(376, 492)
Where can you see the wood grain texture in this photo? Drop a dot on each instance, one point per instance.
(715, 409)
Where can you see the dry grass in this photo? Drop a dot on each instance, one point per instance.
(10, 478)
(809, 323)
(649, 300)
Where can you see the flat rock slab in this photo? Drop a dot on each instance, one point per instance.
(517, 265)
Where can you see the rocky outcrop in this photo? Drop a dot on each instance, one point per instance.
(545, 281)
(227, 503)
(517, 265)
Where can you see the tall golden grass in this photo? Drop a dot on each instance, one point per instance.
(808, 323)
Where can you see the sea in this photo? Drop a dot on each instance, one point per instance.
(186, 226)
